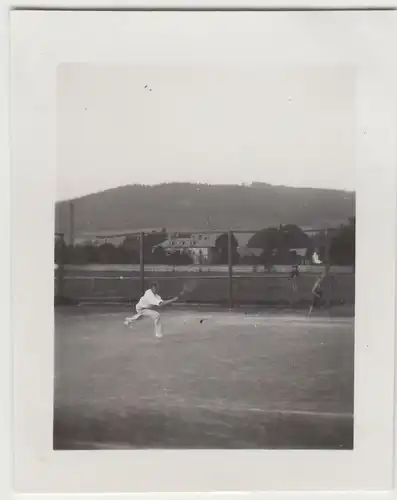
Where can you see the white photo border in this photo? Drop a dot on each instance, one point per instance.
(40, 41)
(6, 464)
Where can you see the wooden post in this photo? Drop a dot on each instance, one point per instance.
(71, 223)
(327, 270)
(230, 266)
(60, 270)
(142, 261)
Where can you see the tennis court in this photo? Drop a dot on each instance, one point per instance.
(217, 379)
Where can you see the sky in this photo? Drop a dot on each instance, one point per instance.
(218, 124)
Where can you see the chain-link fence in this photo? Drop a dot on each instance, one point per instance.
(272, 266)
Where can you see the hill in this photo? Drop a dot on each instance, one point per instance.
(199, 206)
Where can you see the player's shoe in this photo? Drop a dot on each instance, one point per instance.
(132, 319)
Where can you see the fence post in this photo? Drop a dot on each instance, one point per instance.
(60, 270)
(142, 261)
(230, 266)
(327, 269)
(71, 223)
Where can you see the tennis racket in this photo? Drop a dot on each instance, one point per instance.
(188, 287)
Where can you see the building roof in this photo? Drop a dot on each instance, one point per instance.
(202, 240)
(206, 241)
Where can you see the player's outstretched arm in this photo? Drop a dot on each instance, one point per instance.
(168, 302)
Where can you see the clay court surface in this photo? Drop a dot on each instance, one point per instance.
(217, 379)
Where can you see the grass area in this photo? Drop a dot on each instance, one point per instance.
(216, 380)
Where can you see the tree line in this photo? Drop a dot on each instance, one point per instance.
(277, 244)
(126, 253)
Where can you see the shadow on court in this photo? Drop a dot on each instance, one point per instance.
(204, 430)
(216, 380)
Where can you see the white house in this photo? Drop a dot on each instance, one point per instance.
(200, 247)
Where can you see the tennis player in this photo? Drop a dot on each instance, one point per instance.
(317, 293)
(294, 277)
(148, 306)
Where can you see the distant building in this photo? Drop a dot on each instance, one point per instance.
(99, 240)
(201, 247)
(115, 238)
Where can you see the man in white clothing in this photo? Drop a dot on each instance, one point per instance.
(148, 305)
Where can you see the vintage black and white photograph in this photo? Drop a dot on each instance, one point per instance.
(203, 242)
(204, 257)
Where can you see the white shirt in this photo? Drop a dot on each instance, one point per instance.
(148, 300)
(316, 258)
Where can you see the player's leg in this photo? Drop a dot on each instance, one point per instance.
(312, 306)
(155, 316)
(131, 319)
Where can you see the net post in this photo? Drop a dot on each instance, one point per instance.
(142, 261)
(327, 269)
(230, 267)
